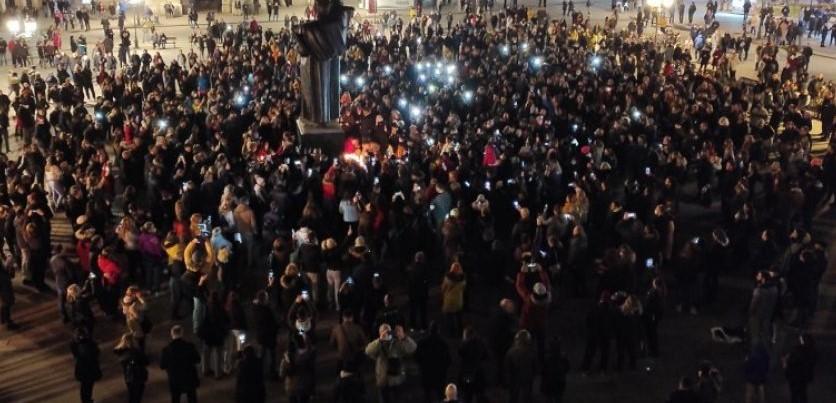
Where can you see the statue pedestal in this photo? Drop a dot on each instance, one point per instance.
(329, 138)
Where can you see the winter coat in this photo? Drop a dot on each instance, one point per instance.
(433, 357)
(452, 293)
(534, 312)
(386, 353)
(520, 363)
(800, 365)
(299, 373)
(249, 384)
(756, 367)
(179, 359)
(86, 355)
(266, 326)
(7, 294)
(134, 365)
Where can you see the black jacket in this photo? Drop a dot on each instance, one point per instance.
(179, 358)
(266, 326)
(86, 355)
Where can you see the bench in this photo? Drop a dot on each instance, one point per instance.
(169, 40)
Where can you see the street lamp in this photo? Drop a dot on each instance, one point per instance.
(658, 7)
(24, 29)
(136, 5)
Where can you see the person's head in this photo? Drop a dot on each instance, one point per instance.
(261, 298)
(385, 332)
(73, 292)
(507, 305)
(686, 383)
(451, 392)
(176, 332)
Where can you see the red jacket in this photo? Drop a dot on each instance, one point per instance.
(111, 272)
(535, 312)
(82, 248)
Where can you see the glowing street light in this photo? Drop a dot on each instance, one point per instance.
(360, 81)
(18, 28)
(343, 79)
(402, 103)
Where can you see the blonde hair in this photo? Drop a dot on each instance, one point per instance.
(291, 269)
(73, 292)
(125, 342)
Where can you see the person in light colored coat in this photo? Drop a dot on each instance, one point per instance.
(389, 351)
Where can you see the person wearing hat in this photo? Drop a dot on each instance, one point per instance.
(535, 301)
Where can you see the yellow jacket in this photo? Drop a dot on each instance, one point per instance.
(174, 251)
(452, 293)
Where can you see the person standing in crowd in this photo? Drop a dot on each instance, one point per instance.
(452, 298)
(249, 383)
(79, 313)
(388, 352)
(212, 330)
(521, 367)
(179, 359)
(298, 369)
(7, 295)
(134, 366)
(756, 371)
(535, 302)
(473, 353)
(87, 370)
(433, 357)
(762, 308)
(799, 368)
(502, 328)
(418, 291)
(350, 340)
(555, 367)
(266, 330)
(136, 321)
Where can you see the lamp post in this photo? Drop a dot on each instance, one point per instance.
(21, 28)
(136, 4)
(658, 7)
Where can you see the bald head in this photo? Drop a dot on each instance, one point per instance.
(507, 305)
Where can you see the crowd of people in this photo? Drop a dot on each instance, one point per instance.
(510, 161)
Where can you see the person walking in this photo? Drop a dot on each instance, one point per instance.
(87, 370)
(134, 366)
(799, 368)
(180, 359)
(389, 351)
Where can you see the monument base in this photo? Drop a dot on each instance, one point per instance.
(330, 137)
